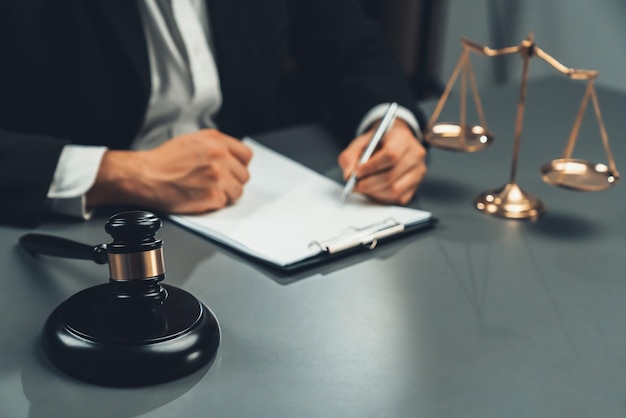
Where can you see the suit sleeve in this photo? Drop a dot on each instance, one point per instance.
(340, 50)
(27, 165)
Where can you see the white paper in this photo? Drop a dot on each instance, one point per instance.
(285, 207)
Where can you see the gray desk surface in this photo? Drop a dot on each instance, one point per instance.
(480, 317)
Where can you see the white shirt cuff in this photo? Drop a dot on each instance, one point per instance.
(75, 173)
(377, 113)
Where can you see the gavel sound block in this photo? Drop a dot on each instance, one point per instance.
(134, 330)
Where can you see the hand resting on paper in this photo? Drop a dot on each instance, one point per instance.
(190, 173)
(394, 172)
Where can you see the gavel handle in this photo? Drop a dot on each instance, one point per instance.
(62, 247)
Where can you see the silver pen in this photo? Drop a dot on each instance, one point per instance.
(385, 124)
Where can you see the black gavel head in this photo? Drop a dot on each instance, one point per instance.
(133, 330)
(135, 260)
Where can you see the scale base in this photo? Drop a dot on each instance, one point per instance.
(91, 339)
(509, 201)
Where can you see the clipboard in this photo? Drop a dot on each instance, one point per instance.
(291, 217)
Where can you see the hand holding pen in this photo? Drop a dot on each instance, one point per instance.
(385, 124)
(392, 173)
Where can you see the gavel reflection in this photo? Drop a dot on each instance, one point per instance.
(133, 330)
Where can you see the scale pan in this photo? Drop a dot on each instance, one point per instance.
(450, 136)
(578, 175)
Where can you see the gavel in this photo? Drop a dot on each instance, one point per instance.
(133, 330)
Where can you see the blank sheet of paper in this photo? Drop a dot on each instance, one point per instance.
(285, 207)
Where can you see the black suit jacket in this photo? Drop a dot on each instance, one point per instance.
(77, 71)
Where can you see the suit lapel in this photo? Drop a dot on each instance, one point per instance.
(230, 22)
(125, 22)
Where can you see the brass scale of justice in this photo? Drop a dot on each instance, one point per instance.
(510, 201)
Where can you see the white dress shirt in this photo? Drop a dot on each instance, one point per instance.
(185, 96)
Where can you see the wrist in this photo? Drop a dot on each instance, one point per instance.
(116, 181)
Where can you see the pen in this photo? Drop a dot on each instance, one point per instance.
(390, 116)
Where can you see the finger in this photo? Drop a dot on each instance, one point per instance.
(238, 170)
(388, 179)
(215, 198)
(393, 150)
(240, 150)
(201, 202)
(223, 183)
(233, 191)
(400, 191)
(349, 157)
(234, 146)
(402, 199)
(231, 182)
(409, 172)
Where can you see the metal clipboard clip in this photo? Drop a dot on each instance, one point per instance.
(367, 236)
